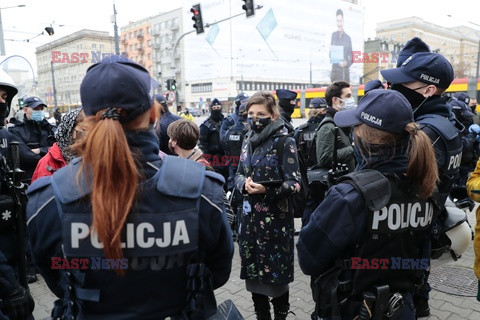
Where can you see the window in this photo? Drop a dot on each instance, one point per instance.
(94, 45)
(130, 35)
(102, 46)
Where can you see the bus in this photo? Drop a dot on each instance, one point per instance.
(304, 96)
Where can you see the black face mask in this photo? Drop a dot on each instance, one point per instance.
(3, 111)
(287, 107)
(415, 98)
(216, 114)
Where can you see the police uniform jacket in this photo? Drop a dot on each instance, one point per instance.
(162, 135)
(339, 229)
(31, 134)
(154, 285)
(448, 153)
(325, 144)
(267, 231)
(227, 123)
(304, 136)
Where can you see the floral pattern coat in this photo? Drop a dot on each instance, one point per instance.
(266, 232)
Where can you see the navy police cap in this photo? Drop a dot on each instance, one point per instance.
(318, 103)
(33, 102)
(373, 84)
(284, 94)
(117, 82)
(386, 110)
(426, 67)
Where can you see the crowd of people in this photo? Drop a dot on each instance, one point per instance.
(140, 196)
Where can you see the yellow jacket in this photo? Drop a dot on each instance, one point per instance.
(186, 116)
(473, 189)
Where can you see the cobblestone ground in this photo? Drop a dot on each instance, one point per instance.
(443, 306)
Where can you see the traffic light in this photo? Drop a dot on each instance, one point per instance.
(249, 8)
(21, 103)
(169, 84)
(197, 17)
(173, 84)
(49, 31)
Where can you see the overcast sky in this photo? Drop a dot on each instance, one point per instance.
(66, 16)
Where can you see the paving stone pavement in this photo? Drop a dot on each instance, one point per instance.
(443, 306)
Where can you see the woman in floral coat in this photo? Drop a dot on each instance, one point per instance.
(266, 237)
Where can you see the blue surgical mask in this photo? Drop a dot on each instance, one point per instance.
(349, 103)
(38, 115)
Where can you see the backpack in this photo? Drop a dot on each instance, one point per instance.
(298, 199)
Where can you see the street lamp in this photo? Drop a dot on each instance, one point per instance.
(2, 41)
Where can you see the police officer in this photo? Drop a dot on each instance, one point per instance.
(166, 117)
(35, 135)
(353, 230)
(422, 78)
(470, 150)
(15, 299)
(232, 118)
(210, 142)
(372, 85)
(233, 141)
(287, 103)
(138, 220)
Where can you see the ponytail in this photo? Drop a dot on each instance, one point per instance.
(422, 165)
(110, 166)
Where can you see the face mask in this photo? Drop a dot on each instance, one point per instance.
(416, 99)
(38, 115)
(216, 114)
(287, 107)
(258, 124)
(349, 103)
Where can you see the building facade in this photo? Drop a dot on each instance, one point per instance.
(459, 44)
(66, 60)
(136, 43)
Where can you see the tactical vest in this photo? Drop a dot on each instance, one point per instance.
(235, 136)
(391, 253)
(160, 233)
(306, 142)
(213, 135)
(449, 133)
(394, 232)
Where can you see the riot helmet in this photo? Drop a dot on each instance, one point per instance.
(7, 83)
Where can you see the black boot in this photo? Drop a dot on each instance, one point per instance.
(262, 306)
(281, 307)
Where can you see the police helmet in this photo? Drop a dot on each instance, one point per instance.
(7, 83)
(458, 232)
(239, 98)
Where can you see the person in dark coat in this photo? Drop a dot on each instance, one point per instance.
(342, 41)
(389, 222)
(15, 299)
(139, 220)
(166, 117)
(35, 135)
(57, 115)
(287, 102)
(266, 236)
(210, 142)
(232, 119)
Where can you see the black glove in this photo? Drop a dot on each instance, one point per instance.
(19, 304)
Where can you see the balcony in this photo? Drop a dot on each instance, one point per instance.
(140, 37)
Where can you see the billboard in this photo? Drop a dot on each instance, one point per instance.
(284, 40)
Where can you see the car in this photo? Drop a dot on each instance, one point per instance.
(196, 112)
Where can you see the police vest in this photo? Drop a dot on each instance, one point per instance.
(306, 142)
(161, 231)
(449, 136)
(391, 252)
(235, 136)
(213, 135)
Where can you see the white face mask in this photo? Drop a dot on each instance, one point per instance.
(349, 103)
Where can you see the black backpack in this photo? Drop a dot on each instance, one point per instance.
(299, 199)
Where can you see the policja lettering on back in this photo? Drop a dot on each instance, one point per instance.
(135, 235)
(399, 216)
